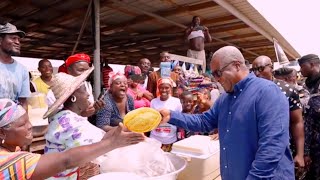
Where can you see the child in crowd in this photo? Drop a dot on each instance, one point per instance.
(203, 101)
(202, 104)
(215, 93)
(165, 133)
(186, 99)
(183, 84)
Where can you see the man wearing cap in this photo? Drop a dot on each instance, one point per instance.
(263, 68)
(290, 76)
(14, 77)
(310, 68)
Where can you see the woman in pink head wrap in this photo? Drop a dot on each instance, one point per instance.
(141, 96)
(117, 102)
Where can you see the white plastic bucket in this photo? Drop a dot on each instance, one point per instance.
(116, 176)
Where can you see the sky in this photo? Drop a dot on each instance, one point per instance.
(297, 20)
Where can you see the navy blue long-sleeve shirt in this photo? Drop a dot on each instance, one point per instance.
(253, 124)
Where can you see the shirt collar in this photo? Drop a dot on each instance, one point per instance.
(242, 84)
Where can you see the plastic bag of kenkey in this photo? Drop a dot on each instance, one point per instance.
(193, 71)
(145, 159)
(184, 70)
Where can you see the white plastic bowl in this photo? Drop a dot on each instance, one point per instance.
(116, 176)
(178, 162)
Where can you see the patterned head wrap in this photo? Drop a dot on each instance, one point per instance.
(9, 112)
(131, 70)
(164, 81)
(113, 76)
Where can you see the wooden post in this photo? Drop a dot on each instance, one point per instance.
(96, 58)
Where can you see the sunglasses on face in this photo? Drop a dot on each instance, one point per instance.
(218, 73)
(260, 68)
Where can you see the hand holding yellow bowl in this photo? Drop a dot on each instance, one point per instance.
(142, 120)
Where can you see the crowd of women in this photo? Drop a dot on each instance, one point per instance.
(72, 143)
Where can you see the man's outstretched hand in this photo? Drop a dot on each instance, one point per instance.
(165, 113)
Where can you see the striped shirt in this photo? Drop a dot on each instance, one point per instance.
(17, 165)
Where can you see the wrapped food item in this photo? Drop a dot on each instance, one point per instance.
(145, 159)
(142, 120)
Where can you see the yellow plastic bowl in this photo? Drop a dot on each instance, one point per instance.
(142, 120)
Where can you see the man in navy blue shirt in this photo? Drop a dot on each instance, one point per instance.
(252, 118)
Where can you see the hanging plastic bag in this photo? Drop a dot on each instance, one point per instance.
(193, 71)
(145, 159)
(196, 71)
(185, 71)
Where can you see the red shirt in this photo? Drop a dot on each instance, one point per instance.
(105, 75)
(62, 68)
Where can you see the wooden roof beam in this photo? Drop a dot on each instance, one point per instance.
(160, 41)
(163, 13)
(38, 10)
(218, 28)
(160, 33)
(13, 6)
(75, 13)
(21, 19)
(242, 36)
(228, 27)
(218, 19)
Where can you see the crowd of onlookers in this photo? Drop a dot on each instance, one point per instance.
(71, 104)
(137, 87)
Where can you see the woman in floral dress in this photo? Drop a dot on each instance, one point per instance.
(67, 129)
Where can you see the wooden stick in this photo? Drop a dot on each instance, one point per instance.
(186, 59)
